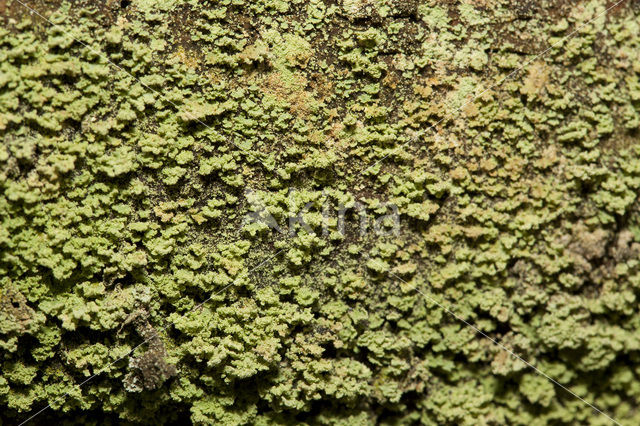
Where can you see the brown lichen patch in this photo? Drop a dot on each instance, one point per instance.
(391, 80)
(536, 79)
(189, 58)
(470, 109)
(149, 370)
(479, 3)
(586, 247)
(616, 7)
(14, 310)
(321, 85)
(291, 91)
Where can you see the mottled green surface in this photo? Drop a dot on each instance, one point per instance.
(122, 206)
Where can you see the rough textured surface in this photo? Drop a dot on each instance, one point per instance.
(122, 203)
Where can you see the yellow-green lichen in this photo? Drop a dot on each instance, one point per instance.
(153, 153)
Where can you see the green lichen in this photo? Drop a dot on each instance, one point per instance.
(154, 154)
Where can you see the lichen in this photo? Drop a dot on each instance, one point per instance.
(166, 172)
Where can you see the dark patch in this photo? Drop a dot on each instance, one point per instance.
(149, 370)
(618, 9)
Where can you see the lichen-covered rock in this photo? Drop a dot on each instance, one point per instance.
(181, 189)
